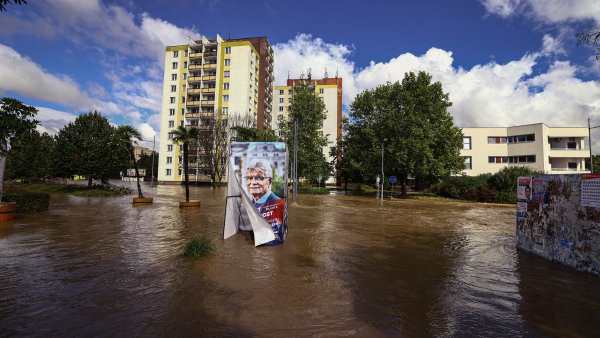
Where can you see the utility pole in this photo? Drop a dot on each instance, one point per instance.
(153, 143)
(590, 141)
(382, 174)
(295, 186)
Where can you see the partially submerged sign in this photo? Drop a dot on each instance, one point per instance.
(257, 191)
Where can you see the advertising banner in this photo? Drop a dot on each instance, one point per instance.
(257, 191)
(524, 188)
(131, 172)
(590, 190)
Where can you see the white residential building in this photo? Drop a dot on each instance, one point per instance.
(551, 150)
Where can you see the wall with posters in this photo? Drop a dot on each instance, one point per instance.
(558, 217)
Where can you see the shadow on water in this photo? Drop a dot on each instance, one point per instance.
(352, 265)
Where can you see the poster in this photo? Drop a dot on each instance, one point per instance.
(524, 188)
(521, 210)
(131, 172)
(257, 191)
(540, 191)
(590, 190)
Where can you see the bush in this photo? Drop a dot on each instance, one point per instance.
(313, 190)
(27, 201)
(482, 194)
(505, 180)
(447, 189)
(198, 247)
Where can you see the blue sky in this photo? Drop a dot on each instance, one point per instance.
(503, 62)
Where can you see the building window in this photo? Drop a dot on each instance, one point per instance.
(171, 112)
(180, 160)
(185, 53)
(179, 172)
(185, 64)
(174, 77)
(172, 99)
(180, 147)
(169, 159)
(225, 98)
(171, 124)
(281, 108)
(281, 100)
(226, 86)
(169, 147)
(320, 133)
(184, 76)
(281, 92)
(320, 90)
(227, 50)
(168, 172)
(290, 92)
(181, 123)
(572, 165)
(467, 163)
(227, 62)
(322, 99)
(467, 142)
(512, 139)
(289, 100)
(571, 145)
(170, 136)
(176, 54)
(173, 88)
(182, 111)
(226, 73)
(174, 65)
(224, 110)
(512, 159)
(183, 99)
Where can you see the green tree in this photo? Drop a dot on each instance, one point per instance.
(308, 111)
(596, 163)
(345, 156)
(253, 134)
(185, 136)
(15, 119)
(590, 38)
(88, 147)
(411, 121)
(3, 3)
(145, 162)
(126, 136)
(29, 156)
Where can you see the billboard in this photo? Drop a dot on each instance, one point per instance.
(131, 172)
(257, 191)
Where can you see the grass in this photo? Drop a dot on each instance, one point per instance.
(198, 247)
(70, 189)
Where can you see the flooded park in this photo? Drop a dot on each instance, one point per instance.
(351, 266)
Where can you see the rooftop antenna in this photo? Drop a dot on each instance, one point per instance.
(325, 76)
(336, 73)
(309, 74)
(302, 75)
(288, 74)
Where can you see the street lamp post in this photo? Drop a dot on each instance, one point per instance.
(382, 174)
(590, 145)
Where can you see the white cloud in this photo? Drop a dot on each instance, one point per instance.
(548, 11)
(21, 75)
(51, 121)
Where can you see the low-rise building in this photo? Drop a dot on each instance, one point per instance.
(552, 150)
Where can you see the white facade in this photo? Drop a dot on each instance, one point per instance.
(551, 150)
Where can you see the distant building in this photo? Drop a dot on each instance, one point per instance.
(329, 91)
(551, 150)
(205, 78)
(138, 152)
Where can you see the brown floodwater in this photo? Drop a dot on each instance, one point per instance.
(351, 265)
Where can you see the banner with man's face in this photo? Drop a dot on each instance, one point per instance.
(257, 191)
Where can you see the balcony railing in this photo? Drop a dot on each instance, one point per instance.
(568, 169)
(194, 67)
(194, 79)
(210, 54)
(208, 102)
(192, 115)
(557, 148)
(193, 91)
(192, 104)
(209, 78)
(195, 55)
(208, 90)
(209, 66)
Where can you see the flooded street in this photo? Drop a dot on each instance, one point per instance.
(351, 265)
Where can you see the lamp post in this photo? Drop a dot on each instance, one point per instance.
(382, 174)
(590, 145)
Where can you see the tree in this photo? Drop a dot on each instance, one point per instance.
(127, 135)
(185, 136)
(590, 38)
(345, 156)
(213, 141)
(145, 162)
(253, 134)
(29, 156)
(88, 147)
(596, 163)
(15, 119)
(410, 120)
(308, 111)
(3, 3)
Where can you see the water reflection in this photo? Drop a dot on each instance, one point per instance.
(352, 265)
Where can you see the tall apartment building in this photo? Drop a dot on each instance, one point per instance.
(205, 78)
(551, 150)
(329, 91)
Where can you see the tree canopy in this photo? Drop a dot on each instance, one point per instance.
(411, 121)
(185, 136)
(15, 119)
(253, 134)
(309, 111)
(29, 157)
(590, 38)
(88, 147)
(126, 136)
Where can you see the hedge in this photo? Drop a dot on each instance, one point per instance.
(27, 201)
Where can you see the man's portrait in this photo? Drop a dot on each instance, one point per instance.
(258, 177)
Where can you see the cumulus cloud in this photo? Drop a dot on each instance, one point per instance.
(51, 120)
(486, 95)
(548, 11)
(21, 75)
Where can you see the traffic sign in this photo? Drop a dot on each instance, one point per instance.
(392, 179)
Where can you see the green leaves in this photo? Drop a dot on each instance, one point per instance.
(15, 118)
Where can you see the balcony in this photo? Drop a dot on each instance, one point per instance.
(209, 78)
(192, 115)
(207, 115)
(194, 79)
(195, 67)
(209, 66)
(195, 55)
(210, 54)
(569, 152)
(193, 91)
(208, 102)
(208, 90)
(192, 104)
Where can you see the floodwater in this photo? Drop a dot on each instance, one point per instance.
(351, 265)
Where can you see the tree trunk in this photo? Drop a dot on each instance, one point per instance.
(90, 181)
(137, 174)
(3, 155)
(403, 186)
(185, 170)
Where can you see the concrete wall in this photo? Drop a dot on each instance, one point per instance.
(555, 225)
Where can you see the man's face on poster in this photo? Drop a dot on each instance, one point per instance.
(256, 183)
(528, 193)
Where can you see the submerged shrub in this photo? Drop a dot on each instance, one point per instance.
(27, 201)
(313, 190)
(198, 247)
